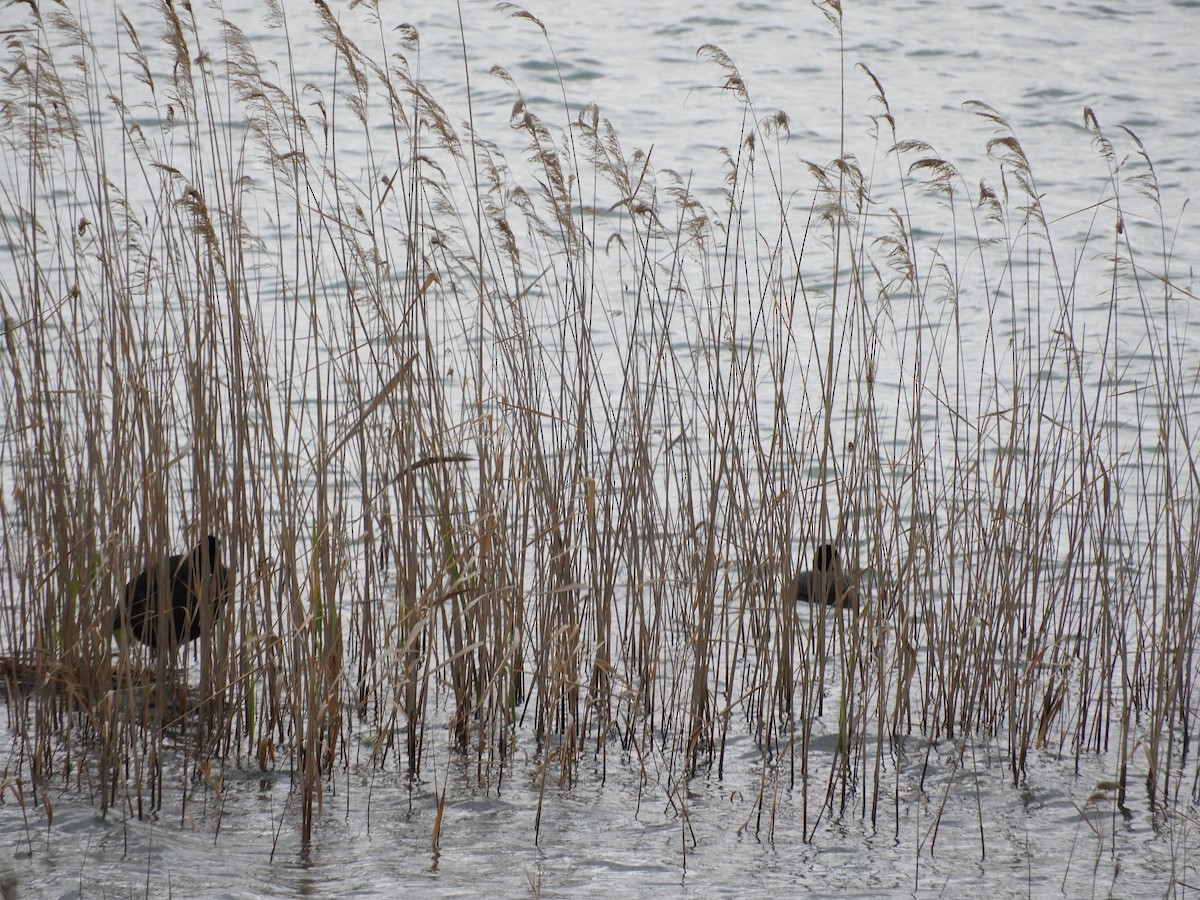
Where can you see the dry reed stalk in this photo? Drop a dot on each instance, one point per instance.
(469, 502)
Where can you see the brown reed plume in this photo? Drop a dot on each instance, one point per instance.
(513, 459)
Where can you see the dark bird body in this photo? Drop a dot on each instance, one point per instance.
(195, 577)
(824, 583)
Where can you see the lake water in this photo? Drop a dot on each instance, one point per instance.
(960, 833)
(630, 827)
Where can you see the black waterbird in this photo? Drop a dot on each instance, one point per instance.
(196, 578)
(824, 583)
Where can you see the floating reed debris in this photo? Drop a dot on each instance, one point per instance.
(477, 497)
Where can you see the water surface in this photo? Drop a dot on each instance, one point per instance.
(954, 822)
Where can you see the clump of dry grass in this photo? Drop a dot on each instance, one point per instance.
(476, 495)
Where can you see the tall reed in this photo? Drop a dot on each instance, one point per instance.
(516, 456)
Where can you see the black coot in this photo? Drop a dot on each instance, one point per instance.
(195, 575)
(823, 583)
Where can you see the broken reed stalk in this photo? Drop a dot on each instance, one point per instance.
(475, 500)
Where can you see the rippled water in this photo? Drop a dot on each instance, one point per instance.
(959, 832)
(943, 830)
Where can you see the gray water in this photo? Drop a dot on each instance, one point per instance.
(629, 829)
(965, 832)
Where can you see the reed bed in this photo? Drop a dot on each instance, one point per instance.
(513, 458)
